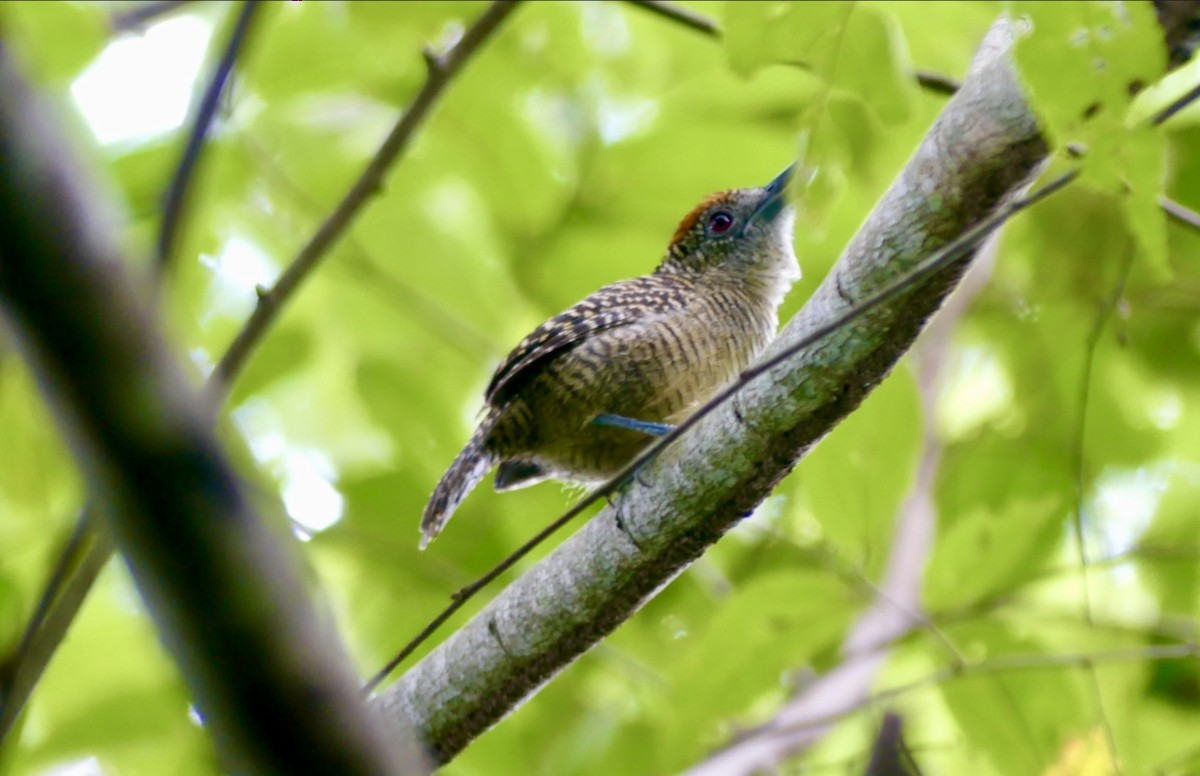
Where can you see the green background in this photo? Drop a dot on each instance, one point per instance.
(561, 160)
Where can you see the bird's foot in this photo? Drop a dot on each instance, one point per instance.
(646, 427)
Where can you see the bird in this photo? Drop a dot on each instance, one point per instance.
(591, 387)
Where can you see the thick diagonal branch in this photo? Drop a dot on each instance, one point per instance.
(985, 147)
(265, 671)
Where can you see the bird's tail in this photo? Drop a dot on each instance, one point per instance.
(471, 466)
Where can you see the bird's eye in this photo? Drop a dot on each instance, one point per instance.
(719, 222)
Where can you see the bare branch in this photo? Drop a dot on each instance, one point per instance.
(442, 68)
(684, 16)
(274, 687)
(84, 557)
(205, 113)
(1004, 665)
(436, 319)
(1184, 100)
(141, 13)
(1078, 520)
(1180, 212)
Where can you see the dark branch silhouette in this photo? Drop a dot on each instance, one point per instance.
(275, 689)
(677, 13)
(66, 592)
(890, 755)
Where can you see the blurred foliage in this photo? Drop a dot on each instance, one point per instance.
(559, 161)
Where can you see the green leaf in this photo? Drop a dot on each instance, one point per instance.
(762, 32)
(858, 48)
(1084, 62)
(1015, 720)
(1174, 86)
(1166, 552)
(846, 484)
(763, 638)
(987, 553)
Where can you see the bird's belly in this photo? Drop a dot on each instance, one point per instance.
(657, 379)
(557, 432)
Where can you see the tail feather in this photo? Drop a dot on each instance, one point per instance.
(471, 466)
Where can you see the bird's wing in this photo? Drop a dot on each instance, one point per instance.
(625, 303)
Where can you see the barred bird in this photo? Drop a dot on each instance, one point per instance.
(586, 391)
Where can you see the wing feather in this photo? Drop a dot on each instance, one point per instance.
(621, 304)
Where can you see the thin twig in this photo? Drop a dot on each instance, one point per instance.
(1093, 340)
(436, 319)
(1180, 212)
(952, 251)
(936, 82)
(141, 13)
(685, 16)
(1187, 99)
(1110, 738)
(815, 723)
(441, 69)
(932, 82)
(143, 439)
(1010, 664)
(84, 557)
(206, 112)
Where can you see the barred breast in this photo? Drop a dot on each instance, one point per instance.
(658, 369)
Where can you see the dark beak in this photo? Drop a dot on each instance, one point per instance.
(774, 197)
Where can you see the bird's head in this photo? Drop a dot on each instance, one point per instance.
(740, 231)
